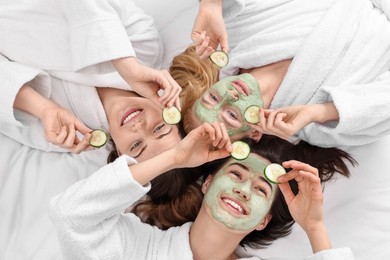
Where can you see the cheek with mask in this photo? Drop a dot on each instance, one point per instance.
(229, 97)
(229, 208)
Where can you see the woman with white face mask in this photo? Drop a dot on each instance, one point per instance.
(238, 201)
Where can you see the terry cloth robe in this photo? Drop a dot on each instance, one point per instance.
(90, 224)
(63, 50)
(341, 56)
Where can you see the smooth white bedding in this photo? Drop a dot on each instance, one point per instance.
(357, 209)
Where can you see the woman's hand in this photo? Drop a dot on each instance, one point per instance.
(285, 122)
(59, 124)
(147, 82)
(60, 128)
(209, 21)
(205, 143)
(307, 206)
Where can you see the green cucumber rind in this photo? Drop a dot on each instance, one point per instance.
(248, 112)
(238, 156)
(268, 177)
(174, 111)
(100, 144)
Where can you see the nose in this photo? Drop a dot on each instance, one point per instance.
(138, 124)
(233, 95)
(243, 194)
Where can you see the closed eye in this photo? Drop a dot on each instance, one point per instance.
(236, 174)
(262, 190)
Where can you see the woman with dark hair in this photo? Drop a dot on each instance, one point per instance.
(239, 203)
(181, 202)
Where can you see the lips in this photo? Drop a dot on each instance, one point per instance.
(241, 87)
(234, 205)
(130, 115)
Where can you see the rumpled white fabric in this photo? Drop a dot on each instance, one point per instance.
(90, 224)
(64, 53)
(340, 52)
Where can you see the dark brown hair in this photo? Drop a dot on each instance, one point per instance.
(176, 198)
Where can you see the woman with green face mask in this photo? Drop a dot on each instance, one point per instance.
(238, 201)
(316, 81)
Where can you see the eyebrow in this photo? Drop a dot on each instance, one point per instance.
(159, 137)
(247, 169)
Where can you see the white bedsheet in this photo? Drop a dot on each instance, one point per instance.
(357, 209)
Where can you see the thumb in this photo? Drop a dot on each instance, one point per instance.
(287, 192)
(82, 128)
(224, 43)
(217, 154)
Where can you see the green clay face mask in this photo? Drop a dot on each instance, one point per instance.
(239, 196)
(227, 100)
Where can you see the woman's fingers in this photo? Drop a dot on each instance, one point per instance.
(172, 90)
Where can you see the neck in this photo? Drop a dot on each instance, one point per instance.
(210, 239)
(270, 77)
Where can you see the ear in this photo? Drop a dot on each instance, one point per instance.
(265, 222)
(255, 132)
(206, 183)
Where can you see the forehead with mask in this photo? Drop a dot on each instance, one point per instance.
(226, 101)
(238, 195)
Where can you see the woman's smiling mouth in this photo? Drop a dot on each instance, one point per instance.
(241, 87)
(234, 206)
(129, 115)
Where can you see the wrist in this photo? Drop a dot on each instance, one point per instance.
(324, 112)
(147, 170)
(30, 101)
(211, 3)
(126, 67)
(318, 237)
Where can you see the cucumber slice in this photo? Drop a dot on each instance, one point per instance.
(273, 171)
(241, 150)
(171, 115)
(220, 58)
(252, 114)
(98, 138)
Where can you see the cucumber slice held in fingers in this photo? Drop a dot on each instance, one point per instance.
(171, 115)
(273, 171)
(220, 58)
(98, 138)
(251, 114)
(241, 150)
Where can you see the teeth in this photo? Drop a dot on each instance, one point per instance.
(234, 205)
(129, 117)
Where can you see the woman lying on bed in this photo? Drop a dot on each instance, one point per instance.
(307, 58)
(240, 207)
(54, 77)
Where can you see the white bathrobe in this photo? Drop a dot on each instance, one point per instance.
(63, 49)
(90, 224)
(340, 51)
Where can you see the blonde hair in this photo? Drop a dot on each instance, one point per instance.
(195, 77)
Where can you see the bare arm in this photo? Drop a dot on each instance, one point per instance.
(60, 125)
